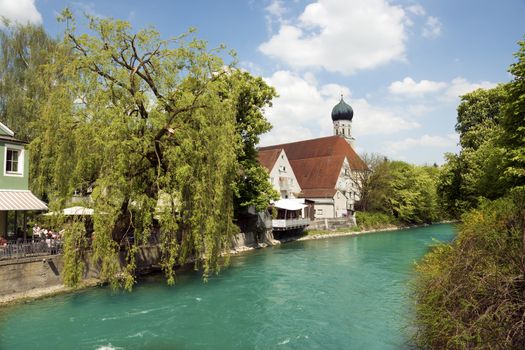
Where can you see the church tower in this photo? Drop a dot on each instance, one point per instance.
(342, 115)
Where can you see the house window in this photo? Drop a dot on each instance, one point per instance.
(13, 161)
(282, 169)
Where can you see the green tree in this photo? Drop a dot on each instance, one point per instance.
(478, 115)
(24, 51)
(476, 172)
(163, 130)
(404, 191)
(252, 96)
(470, 294)
(513, 123)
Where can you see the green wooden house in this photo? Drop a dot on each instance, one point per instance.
(15, 198)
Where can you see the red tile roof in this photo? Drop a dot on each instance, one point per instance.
(318, 193)
(321, 147)
(269, 157)
(320, 172)
(317, 163)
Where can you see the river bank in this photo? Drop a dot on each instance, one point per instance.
(44, 292)
(327, 293)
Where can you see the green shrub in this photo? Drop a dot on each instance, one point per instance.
(471, 294)
(375, 220)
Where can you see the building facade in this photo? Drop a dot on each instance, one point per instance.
(282, 176)
(15, 198)
(326, 168)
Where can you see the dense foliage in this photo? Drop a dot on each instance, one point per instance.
(471, 294)
(160, 133)
(25, 50)
(476, 171)
(405, 192)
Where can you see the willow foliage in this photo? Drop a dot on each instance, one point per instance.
(153, 126)
(24, 50)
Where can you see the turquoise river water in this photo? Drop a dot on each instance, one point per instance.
(341, 293)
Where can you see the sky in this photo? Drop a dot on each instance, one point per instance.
(401, 65)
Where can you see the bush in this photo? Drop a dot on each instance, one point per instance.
(471, 294)
(375, 220)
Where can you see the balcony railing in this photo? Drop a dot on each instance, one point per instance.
(22, 250)
(282, 224)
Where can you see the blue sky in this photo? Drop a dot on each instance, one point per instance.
(401, 64)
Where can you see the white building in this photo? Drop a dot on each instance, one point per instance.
(323, 168)
(281, 172)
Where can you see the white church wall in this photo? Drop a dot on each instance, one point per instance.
(283, 178)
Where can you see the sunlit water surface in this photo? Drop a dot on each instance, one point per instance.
(340, 293)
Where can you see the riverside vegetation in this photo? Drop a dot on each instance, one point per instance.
(471, 294)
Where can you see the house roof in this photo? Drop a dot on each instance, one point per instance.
(318, 193)
(317, 163)
(11, 139)
(319, 172)
(4, 130)
(321, 147)
(269, 157)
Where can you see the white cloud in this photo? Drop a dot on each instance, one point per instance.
(409, 88)
(276, 8)
(417, 10)
(20, 11)
(419, 109)
(432, 28)
(460, 86)
(251, 67)
(340, 36)
(303, 110)
(376, 120)
(426, 141)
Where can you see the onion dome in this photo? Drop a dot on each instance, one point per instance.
(342, 111)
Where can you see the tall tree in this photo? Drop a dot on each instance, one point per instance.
(253, 94)
(25, 50)
(158, 126)
(476, 171)
(513, 136)
(478, 115)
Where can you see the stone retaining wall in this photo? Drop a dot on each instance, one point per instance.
(331, 224)
(21, 276)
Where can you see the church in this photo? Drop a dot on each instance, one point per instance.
(321, 170)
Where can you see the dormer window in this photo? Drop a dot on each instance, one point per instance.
(14, 161)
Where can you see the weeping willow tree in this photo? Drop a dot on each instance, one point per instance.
(24, 49)
(161, 129)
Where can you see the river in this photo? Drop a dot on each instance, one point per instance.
(341, 293)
